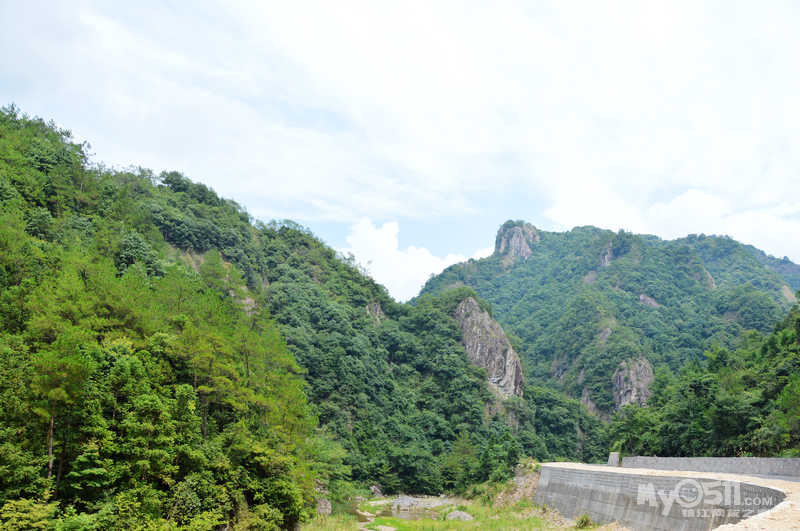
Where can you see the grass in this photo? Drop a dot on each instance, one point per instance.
(505, 524)
(481, 505)
(334, 522)
(522, 516)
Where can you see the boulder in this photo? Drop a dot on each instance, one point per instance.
(404, 503)
(323, 506)
(459, 515)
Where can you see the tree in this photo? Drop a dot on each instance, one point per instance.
(58, 383)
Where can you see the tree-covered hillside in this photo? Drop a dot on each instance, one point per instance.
(133, 389)
(741, 401)
(165, 361)
(584, 301)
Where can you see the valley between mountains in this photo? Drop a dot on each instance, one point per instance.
(169, 362)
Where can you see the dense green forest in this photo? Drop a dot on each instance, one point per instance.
(741, 401)
(168, 362)
(588, 299)
(133, 387)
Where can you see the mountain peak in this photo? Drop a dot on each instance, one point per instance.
(514, 240)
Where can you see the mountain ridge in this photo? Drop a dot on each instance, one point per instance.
(167, 361)
(585, 300)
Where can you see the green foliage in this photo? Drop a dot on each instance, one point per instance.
(579, 304)
(167, 363)
(132, 249)
(24, 514)
(40, 224)
(583, 522)
(744, 401)
(137, 392)
(145, 380)
(394, 384)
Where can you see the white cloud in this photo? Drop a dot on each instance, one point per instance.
(402, 271)
(646, 116)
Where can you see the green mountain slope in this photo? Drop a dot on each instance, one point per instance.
(134, 390)
(742, 401)
(589, 304)
(167, 361)
(784, 267)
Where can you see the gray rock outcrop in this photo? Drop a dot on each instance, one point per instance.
(488, 347)
(375, 312)
(404, 503)
(586, 400)
(788, 294)
(606, 256)
(459, 515)
(324, 507)
(649, 301)
(514, 241)
(632, 381)
(710, 283)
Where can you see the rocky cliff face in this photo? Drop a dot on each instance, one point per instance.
(649, 301)
(788, 294)
(632, 381)
(514, 241)
(606, 256)
(488, 347)
(375, 312)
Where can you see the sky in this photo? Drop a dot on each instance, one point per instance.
(408, 132)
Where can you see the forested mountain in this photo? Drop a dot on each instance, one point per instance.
(742, 401)
(168, 362)
(598, 313)
(133, 388)
(165, 361)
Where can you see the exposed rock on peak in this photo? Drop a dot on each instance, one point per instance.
(514, 240)
(488, 347)
(632, 381)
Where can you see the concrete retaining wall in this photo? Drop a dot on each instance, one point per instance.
(759, 466)
(643, 501)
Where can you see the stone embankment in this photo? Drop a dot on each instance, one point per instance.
(785, 467)
(641, 498)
